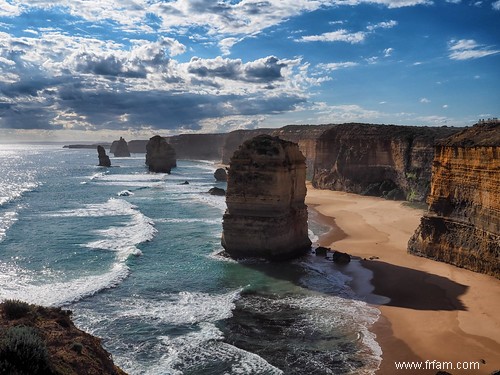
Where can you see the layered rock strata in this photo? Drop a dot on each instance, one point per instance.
(103, 158)
(379, 160)
(266, 216)
(160, 156)
(120, 148)
(462, 226)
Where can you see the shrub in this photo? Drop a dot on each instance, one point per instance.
(15, 309)
(23, 351)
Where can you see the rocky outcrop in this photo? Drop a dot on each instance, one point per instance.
(39, 340)
(160, 156)
(120, 148)
(266, 216)
(103, 158)
(379, 160)
(220, 174)
(462, 226)
(217, 191)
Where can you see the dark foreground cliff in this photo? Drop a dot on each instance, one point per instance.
(462, 226)
(379, 160)
(38, 340)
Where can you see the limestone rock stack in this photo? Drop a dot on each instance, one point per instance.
(121, 149)
(160, 156)
(462, 226)
(103, 158)
(266, 216)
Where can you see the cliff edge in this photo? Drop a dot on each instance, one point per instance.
(40, 340)
(266, 216)
(462, 226)
(388, 161)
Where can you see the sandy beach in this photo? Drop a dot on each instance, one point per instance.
(431, 311)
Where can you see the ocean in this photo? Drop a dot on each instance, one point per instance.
(134, 255)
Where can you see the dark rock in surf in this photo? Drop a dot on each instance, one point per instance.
(220, 174)
(103, 158)
(217, 191)
(160, 156)
(121, 148)
(341, 258)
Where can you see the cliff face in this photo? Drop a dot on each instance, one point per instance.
(120, 148)
(39, 340)
(304, 135)
(198, 146)
(103, 158)
(266, 215)
(462, 226)
(379, 160)
(160, 156)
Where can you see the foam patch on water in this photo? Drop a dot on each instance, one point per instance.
(192, 352)
(189, 220)
(18, 284)
(7, 218)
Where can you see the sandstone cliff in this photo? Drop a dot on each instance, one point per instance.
(266, 215)
(198, 146)
(137, 146)
(160, 156)
(39, 340)
(462, 226)
(120, 148)
(379, 160)
(103, 158)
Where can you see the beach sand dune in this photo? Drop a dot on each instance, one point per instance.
(431, 311)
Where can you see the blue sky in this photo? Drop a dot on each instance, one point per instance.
(96, 69)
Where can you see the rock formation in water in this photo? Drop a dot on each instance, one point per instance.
(462, 226)
(266, 216)
(220, 174)
(160, 156)
(379, 160)
(103, 158)
(40, 340)
(217, 191)
(120, 148)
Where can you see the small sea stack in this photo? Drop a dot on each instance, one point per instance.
(266, 216)
(160, 156)
(103, 158)
(220, 174)
(121, 148)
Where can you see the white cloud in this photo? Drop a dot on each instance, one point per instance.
(382, 25)
(337, 66)
(226, 44)
(424, 100)
(345, 113)
(465, 49)
(496, 5)
(445, 106)
(388, 52)
(9, 10)
(335, 36)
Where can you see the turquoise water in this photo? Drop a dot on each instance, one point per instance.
(134, 255)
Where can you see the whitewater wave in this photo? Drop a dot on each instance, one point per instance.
(19, 284)
(122, 240)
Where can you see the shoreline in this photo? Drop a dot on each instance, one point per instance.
(429, 310)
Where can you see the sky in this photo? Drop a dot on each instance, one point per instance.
(100, 69)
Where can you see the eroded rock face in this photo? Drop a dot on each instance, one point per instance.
(462, 226)
(103, 158)
(120, 148)
(160, 156)
(266, 216)
(379, 160)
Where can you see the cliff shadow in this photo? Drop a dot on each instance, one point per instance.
(413, 289)
(404, 287)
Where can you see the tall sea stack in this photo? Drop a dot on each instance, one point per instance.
(266, 216)
(103, 158)
(160, 156)
(462, 226)
(120, 148)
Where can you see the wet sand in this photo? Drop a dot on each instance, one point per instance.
(430, 310)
